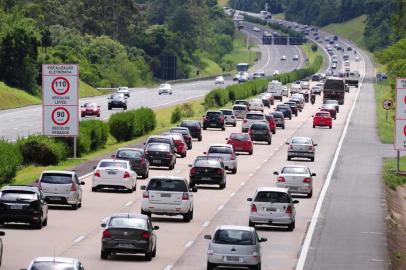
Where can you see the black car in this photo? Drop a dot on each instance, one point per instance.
(23, 204)
(349, 49)
(195, 128)
(160, 155)
(127, 233)
(117, 101)
(285, 109)
(139, 163)
(162, 139)
(214, 119)
(260, 132)
(185, 133)
(242, 102)
(207, 171)
(293, 107)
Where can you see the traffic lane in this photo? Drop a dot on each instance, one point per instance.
(74, 229)
(282, 248)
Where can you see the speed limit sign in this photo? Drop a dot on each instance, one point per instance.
(60, 100)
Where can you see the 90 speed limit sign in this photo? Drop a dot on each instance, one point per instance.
(60, 121)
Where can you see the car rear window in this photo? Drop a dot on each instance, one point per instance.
(158, 147)
(18, 196)
(167, 185)
(295, 170)
(323, 114)
(244, 102)
(234, 237)
(259, 126)
(227, 112)
(190, 124)
(179, 130)
(283, 106)
(301, 141)
(214, 114)
(220, 150)
(115, 164)
(212, 163)
(272, 196)
(158, 140)
(277, 115)
(52, 266)
(56, 178)
(239, 108)
(252, 116)
(128, 222)
(129, 154)
(240, 136)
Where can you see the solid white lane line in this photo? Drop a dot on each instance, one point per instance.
(309, 235)
(128, 203)
(189, 244)
(78, 239)
(220, 207)
(206, 224)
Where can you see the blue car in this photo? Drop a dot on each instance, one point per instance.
(285, 109)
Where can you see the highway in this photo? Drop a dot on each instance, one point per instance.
(22, 122)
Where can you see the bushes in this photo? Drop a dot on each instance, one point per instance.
(125, 126)
(93, 136)
(41, 150)
(10, 160)
(176, 115)
(185, 110)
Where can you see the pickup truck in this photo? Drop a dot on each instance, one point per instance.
(334, 88)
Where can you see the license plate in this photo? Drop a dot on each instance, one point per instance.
(111, 172)
(125, 245)
(54, 198)
(233, 259)
(270, 209)
(294, 188)
(238, 148)
(16, 207)
(156, 161)
(213, 125)
(206, 178)
(165, 195)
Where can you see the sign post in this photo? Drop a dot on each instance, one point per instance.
(400, 122)
(60, 101)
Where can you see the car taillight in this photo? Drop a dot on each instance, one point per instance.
(106, 234)
(221, 120)
(245, 121)
(307, 180)
(253, 208)
(250, 131)
(232, 157)
(97, 173)
(145, 194)
(126, 174)
(185, 196)
(193, 171)
(146, 235)
(73, 187)
(289, 210)
(219, 171)
(281, 179)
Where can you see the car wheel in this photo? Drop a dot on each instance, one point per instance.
(222, 186)
(312, 159)
(270, 141)
(44, 223)
(314, 126)
(210, 266)
(251, 224)
(82, 115)
(98, 115)
(310, 194)
(330, 127)
(94, 189)
(109, 108)
(148, 256)
(75, 206)
(80, 204)
(159, 94)
(273, 131)
(223, 128)
(234, 171)
(200, 139)
(135, 187)
(290, 117)
(125, 108)
(204, 128)
(234, 125)
(154, 252)
(183, 155)
(171, 167)
(104, 255)
(38, 225)
(187, 217)
(256, 267)
(289, 158)
(145, 213)
(291, 226)
(283, 127)
(251, 152)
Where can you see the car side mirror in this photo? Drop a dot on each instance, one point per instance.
(226, 139)
(94, 167)
(207, 236)
(204, 153)
(113, 156)
(145, 143)
(249, 199)
(275, 173)
(82, 183)
(103, 225)
(37, 181)
(315, 144)
(143, 187)
(295, 202)
(312, 115)
(193, 189)
(263, 239)
(313, 174)
(2, 233)
(287, 143)
(190, 165)
(155, 228)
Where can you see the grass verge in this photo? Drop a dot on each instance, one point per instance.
(310, 54)
(86, 90)
(389, 172)
(15, 98)
(279, 16)
(385, 126)
(353, 30)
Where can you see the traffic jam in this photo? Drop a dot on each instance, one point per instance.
(167, 175)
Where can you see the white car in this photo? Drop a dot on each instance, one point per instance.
(256, 105)
(55, 263)
(112, 173)
(295, 57)
(168, 196)
(272, 206)
(305, 85)
(347, 63)
(285, 91)
(317, 89)
(219, 80)
(283, 58)
(295, 88)
(229, 117)
(243, 77)
(251, 118)
(297, 178)
(357, 58)
(256, 29)
(124, 90)
(276, 72)
(165, 88)
(258, 74)
(226, 153)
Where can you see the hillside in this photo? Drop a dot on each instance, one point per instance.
(14, 98)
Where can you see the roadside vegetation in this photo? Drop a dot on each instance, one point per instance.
(14, 98)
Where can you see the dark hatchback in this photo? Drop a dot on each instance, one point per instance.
(117, 101)
(260, 132)
(207, 171)
(162, 139)
(23, 204)
(293, 107)
(129, 234)
(160, 155)
(214, 119)
(187, 136)
(285, 109)
(195, 128)
(138, 161)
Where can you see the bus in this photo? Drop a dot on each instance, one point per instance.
(242, 67)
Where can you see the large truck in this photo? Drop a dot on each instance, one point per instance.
(352, 78)
(334, 88)
(276, 89)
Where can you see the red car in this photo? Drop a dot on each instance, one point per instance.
(331, 109)
(271, 122)
(180, 143)
(241, 142)
(322, 119)
(89, 109)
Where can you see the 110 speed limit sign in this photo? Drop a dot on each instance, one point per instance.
(60, 100)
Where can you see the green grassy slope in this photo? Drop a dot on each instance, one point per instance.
(279, 16)
(14, 98)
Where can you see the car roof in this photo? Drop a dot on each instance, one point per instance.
(55, 259)
(131, 215)
(221, 145)
(114, 160)
(323, 112)
(20, 188)
(235, 227)
(295, 166)
(171, 177)
(226, 110)
(276, 189)
(130, 148)
(60, 172)
(298, 138)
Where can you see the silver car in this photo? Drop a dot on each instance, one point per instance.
(55, 263)
(302, 147)
(240, 111)
(61, 187)
(229, 117)
(226, 153)
(234, 246)
(272, 206)
(297, 178)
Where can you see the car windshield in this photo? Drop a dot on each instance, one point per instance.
(213, 114)
(189, 124)
(323, 114)
(18, 196)
(301, 141)
(331, 102)
(252, 116)
(272, 196)
(116, 97)
(220, 150)
(158, 147)
(234, 237)
(56, 178)
(212, 163)
(167, 185)
(240, 136)
(277, 115)
(90, 105)
(179, 130)
(283, 106)
(52, 266)
(244, 102)
(129, 154)
(128, 222)
(116, 164)
(227, 112)
(259, 126)
(239, 108)
(295, 170)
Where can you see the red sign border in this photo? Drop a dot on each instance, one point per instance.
(53, 119)
(67, 89)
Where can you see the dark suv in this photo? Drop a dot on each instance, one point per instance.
(214, 119)
(23, 204)
(117, 101)
(260, 132)
(195, 128)
(139, 163)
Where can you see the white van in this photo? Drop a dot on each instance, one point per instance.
(275, 88)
